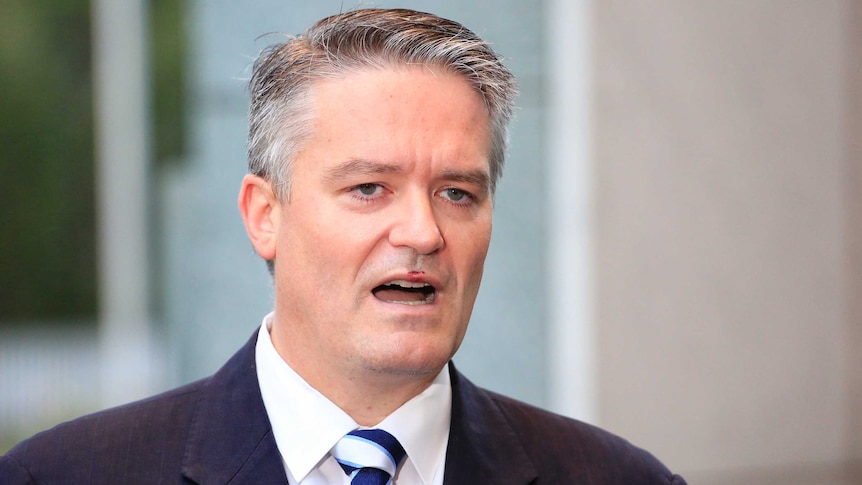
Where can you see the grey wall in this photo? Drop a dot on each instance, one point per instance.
(853, 135)
(727, 205)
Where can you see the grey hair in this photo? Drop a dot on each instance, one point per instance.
(280, 116)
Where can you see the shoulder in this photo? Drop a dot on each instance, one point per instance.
(209, 426)
(561, 448)
(552, 439)
(536, 425)
(146, 436)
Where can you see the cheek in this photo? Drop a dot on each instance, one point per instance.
(478, 249)
(470, 261)
(333, 252)
(302, 252)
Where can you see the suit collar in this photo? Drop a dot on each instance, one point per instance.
(230, 440)
(483, 447)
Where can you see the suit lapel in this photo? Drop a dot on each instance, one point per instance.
(483, 447)
(231, 440)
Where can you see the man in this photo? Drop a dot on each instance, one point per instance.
(376, 140)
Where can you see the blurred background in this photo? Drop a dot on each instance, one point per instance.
(677, 250)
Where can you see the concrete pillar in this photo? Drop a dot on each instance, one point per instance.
(724, 213)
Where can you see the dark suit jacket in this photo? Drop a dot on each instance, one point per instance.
(216, 431)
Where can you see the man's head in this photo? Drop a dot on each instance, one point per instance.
(380, 243)
(279, 114)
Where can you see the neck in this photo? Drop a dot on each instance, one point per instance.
(375, 401)
(367, 395)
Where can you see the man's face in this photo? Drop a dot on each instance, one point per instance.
(380, 249)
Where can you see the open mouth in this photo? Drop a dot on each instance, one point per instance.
(405, 292)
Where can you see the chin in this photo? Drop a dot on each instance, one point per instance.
(427, 362)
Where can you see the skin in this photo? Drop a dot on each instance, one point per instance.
(392, 185)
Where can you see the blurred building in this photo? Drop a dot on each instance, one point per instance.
(677, 250)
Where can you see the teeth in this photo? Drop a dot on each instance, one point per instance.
(426, 301)
(408, 284)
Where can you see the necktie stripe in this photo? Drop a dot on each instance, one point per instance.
(374, 444)
(348, 464)
(369, 456)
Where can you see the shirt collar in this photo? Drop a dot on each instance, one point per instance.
(422, 426)
(306, 424)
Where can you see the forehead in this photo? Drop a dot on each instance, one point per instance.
(426, 87)
(402, 112)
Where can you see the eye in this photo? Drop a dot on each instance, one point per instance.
(367, 189)
(457, 196)
(367, 192)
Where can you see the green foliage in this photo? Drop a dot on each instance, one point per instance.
(47, 235)
(168, 57)
(47, 195)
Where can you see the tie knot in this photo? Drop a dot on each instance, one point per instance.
(364, 453)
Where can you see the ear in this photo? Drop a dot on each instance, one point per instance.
(261, 213)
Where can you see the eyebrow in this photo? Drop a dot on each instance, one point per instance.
(359, 166)
(362, 166)
(479, 178)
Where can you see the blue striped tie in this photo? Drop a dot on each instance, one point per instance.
(369, 456)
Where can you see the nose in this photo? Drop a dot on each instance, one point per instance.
(416, 226)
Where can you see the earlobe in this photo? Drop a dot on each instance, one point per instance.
(261, 212)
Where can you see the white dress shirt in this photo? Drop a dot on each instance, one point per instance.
(306, 424)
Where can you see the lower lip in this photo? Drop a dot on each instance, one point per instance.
(407, 307)
(409, 303)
